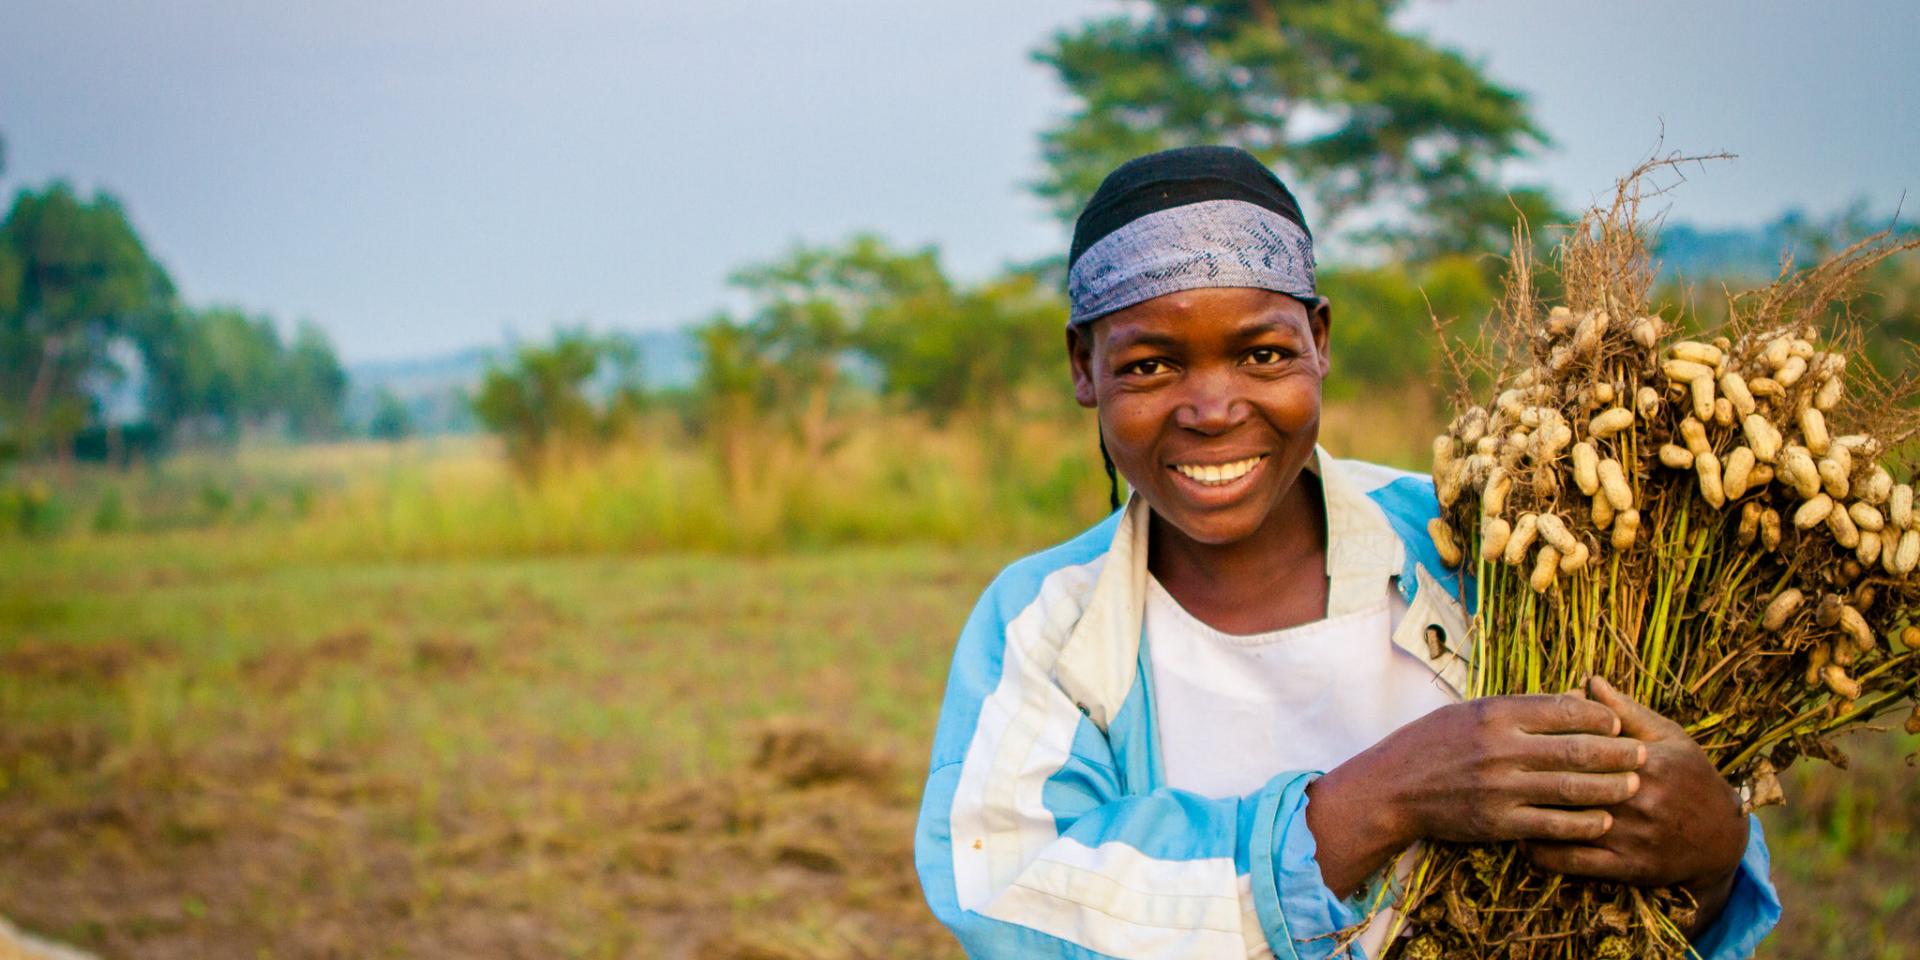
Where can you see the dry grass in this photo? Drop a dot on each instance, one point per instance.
(576, 757)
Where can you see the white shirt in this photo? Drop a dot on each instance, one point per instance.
(1234, 710)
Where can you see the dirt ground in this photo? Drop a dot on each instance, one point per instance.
(805, 855)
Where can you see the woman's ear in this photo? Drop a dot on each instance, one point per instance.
(1080, 358)
(1320, 319)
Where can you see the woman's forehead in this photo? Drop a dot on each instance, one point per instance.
(1203, 314)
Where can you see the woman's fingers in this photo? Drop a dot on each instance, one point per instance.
(1585, 753)
(1637, 720)
(1563, 826)
(1581, 860)
(1564, 789)
(1559, 713)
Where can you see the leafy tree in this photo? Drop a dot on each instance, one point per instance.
(1380, 338)
(315, 385)
(391, 421)
(231, 372)
(215, 374)
(808, 311)
(543, 405)
(945, 351)
(1327, 91)
(935, 345)
(73, 277)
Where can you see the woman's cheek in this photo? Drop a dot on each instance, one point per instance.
(1297, 404)
(1130, 427)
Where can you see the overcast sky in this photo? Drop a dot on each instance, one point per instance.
(426, 175)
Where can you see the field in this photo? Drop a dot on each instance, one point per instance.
(251, 739)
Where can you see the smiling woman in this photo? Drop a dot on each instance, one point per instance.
(1213, 724)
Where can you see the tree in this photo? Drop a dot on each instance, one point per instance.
(808, 311)
(1327, 91)
(542, 404)
(391, 421)
(74, 276)
(315, 385)
(945, 351)
(232, 372)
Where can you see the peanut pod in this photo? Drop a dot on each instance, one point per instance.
(1866, 516)
(1524, 531)
(1813, 512)
(1707, 466)
(1801, 473)
(1844, 532)
(1780, 608)
(1494, 533)
(1813, 429)
(1626, 527)
(1586, 465)
(1613, 483)
(1900, 506)
(1703, 396)
(1736, 475)
(1609, 422)
(1546, 567)
(1770, 529)
(1554, 531)
(1833, 477)
(1734, 387)
(1444, 543)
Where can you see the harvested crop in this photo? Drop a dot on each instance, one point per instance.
(1722, 542)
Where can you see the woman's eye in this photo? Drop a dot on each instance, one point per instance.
(1265, 355)
(1144, 368)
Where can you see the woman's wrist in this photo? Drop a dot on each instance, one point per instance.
(1358, 824)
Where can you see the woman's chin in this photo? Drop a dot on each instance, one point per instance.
(1217, 527)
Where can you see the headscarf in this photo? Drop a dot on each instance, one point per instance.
(1185, 219)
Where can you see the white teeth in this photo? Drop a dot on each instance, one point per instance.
(1218, 474)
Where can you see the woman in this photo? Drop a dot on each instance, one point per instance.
(1207, 726)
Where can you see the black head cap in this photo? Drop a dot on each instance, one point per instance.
(1174, 178)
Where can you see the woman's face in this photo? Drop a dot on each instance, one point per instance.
(1209, 401)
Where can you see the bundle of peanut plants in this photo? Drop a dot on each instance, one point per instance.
(1716, 521)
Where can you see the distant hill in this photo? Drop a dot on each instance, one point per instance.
(435, 390)
(1755, 253)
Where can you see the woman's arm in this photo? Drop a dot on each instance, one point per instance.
(1500, 768)
(1036, 837)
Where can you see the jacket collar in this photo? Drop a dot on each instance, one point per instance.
(1100, 660)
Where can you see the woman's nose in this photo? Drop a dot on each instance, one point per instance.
(1212, 404)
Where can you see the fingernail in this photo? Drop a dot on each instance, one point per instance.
(1633, 784)
(1643, 756)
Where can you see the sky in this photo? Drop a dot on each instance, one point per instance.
(430, 175)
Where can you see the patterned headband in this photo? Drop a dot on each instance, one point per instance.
(1213, 243)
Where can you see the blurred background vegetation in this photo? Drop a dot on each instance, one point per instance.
(501, 653)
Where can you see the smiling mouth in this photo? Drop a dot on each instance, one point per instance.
(1218, 474)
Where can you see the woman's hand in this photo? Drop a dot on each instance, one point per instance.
(1500, 768)
(1683, 827)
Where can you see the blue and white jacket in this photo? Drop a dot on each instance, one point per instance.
(1047, 829)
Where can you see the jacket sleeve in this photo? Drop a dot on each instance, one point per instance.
(1029, 844)
(1752, 910)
